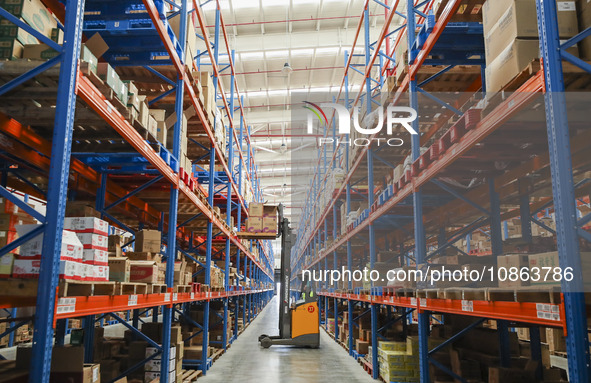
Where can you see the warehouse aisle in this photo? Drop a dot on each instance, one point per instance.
(247, 362)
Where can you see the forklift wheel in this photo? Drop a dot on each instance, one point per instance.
(266, 342)
(263, 336)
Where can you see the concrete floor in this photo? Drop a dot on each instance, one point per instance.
(247, 362)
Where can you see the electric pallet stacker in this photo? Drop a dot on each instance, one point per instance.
(299, 323)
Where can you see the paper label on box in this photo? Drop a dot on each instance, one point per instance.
(566, 6)
(95, 375)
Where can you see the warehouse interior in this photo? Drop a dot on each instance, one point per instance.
(295, 190)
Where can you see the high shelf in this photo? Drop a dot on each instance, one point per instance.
(136, 184)
(422, 217)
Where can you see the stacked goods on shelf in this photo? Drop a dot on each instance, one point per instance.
(216, 278)
(261, 218)
(92, 233)
(67, 365)
(584, 16)
(144, 264)
(511, 37)
(169, 123)
(208, 92)
(10, 217)
(28, 262)
(468, 11)
(15, 41)
(174, 20)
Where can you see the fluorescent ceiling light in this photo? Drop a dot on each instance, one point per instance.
(252, 55)
(328, 51)
(303, 51)
(281, 53)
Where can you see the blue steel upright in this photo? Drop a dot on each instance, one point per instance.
(563, 191)
(420, 245)
(57, 193)
(167, 310)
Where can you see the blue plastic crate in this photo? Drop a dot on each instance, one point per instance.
(118, 9)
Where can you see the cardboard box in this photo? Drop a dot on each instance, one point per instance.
(152, 350)
(87, 57)
(71, 270)
(26, 268)
(255, 209)
(555, 339)
(9, 222)
(39, 52)
(510, 63)
(7, 237)
(94, 241)
(509, 261)
(95, 257)
(148, 241)
(143, 272)
(6, 263)
(86, 225)
(584, 11)
(361, 346)
(119, 269)
(254, 225)
(71, 248)
(515, 23)
(10, 49)
(523, 13)
(269, 224)
(33, 12)
(100, 273)
(138, 256)
(81, 209)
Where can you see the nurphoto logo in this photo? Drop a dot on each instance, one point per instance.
(395, 115)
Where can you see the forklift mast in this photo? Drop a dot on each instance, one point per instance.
(285, 275)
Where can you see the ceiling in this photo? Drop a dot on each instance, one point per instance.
(312, 37)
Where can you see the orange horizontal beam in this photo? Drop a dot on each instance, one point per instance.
(524, 312)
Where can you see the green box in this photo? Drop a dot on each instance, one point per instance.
(33, 12)
(87, 56)
(10, 49)
(9, 30)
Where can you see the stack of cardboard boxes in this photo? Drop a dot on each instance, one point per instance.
(67, 365)
(14, 41)
(261, 219)
(11, 216)
(28, 263)
(511, 37)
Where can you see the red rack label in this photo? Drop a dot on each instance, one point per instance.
(132, 300)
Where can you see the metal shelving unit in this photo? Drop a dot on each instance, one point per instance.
(319, 229)
(53, 157)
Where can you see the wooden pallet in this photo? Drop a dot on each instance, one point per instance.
(472, 294)
(156, 288)
(182, 289)
(535, 294)
(468, 11)
(15, 287)
(190, 376)
(85, 289)
(409, 293)
(128, 288)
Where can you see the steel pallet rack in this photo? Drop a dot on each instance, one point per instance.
(53, 158)
(563, 152)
